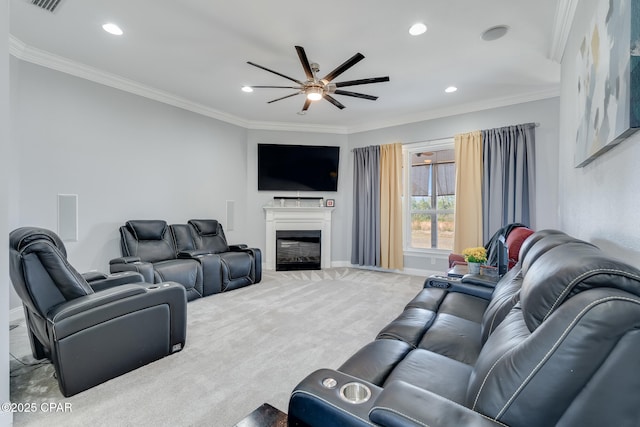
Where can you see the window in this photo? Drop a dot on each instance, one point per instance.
(430, 187)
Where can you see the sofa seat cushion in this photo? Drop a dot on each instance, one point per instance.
(453, 337)
(464, 306)
(433, 372)
(376, 360)
(187, 272)
(409, 326)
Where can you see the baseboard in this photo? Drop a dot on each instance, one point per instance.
(16, 314)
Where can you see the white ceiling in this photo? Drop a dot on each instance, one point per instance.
(194, 53)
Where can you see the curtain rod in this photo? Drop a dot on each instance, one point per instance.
(536, 124)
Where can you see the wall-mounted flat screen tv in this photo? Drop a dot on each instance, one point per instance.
(284, 167)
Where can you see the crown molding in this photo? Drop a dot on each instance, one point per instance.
(486, 104)
(24, 52)
(565, 13)
(46, 59)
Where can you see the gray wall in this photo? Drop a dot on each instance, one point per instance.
(5, 156)
(597, 202)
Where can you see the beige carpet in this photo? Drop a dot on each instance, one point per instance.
(244, 348)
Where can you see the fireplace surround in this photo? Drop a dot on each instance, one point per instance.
(300, 218)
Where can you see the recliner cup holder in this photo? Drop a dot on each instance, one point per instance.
(153, 287)
(355, 393)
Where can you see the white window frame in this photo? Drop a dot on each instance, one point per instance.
(407, 150)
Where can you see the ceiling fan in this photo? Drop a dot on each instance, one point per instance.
(318, 88)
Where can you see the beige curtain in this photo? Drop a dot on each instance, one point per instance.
(468, 213)
(391, 253)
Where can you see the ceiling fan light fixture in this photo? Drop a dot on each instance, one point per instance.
(247, 89)
(451, 89)
(314, 93)
(112, 28)
(417, 29)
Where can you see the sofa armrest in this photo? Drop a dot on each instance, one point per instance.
(132, 263)
(454, 284)
(314, 404)
(402, 404)
(92, 276)
(116, 279)
(235, 248)
(125, 260)
(257, 258)
(194, 253)
(90, 310)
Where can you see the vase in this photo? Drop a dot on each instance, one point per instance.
(474, 267)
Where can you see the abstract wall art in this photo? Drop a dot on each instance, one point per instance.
(608, 79)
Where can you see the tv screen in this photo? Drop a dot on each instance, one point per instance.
(297, 167)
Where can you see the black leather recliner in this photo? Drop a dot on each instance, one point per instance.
(195, 254)
(241, 266)
(148, 247)
(89, 336)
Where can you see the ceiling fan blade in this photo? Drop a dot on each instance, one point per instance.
(344, 67)
(305, 62)
(362, 81)
(307, 102)
(276, 87)
(275, 72)
(333, 101)
(284, 97)
(355, 95)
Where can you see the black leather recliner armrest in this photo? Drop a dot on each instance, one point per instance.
(317, 402)
(92, 276)
(125, 260)
(132, 263)
(453, 284)
(115, 279)
(194, 253)
(235, 248)
(402, 404)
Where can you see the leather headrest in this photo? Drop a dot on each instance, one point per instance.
(21, 237)
(532, 240)
(148, 229)
(205, 227)
(544, 245)
(567, 270)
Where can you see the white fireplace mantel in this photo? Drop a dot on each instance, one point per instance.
(298, 218)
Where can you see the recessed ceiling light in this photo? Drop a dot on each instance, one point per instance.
(112, 29)
(494, 33)
(247, 89)
(417, 29)
(451, 89)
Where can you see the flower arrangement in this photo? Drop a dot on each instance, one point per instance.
(478, 254)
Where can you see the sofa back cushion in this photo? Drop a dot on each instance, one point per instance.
(566, 270)
(208, 234)
(182, 237)
(150, 240)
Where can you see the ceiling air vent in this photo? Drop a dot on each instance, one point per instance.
(49, 5)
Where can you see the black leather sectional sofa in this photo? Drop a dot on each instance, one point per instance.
(556, 343)
(195, 255)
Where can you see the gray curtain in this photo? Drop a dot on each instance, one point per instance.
(508, 185)
(365, 249)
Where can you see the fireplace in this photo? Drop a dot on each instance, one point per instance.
(298, 250)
